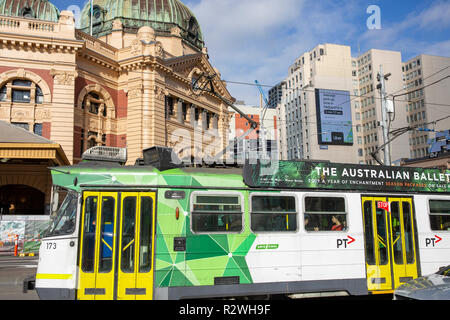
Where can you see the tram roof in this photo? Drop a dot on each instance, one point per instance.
(100, 174)
(276, 175)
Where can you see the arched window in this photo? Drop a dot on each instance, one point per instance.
(3, 93)
(94, 116)
(21, 91)
(94, 103)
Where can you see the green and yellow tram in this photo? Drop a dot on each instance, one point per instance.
(160, 230)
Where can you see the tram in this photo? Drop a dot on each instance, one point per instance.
(161, 230)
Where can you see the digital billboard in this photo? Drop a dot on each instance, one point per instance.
(334, 117)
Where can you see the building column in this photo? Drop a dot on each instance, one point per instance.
(63, 110)
(146, 108)
(159, 121)
(179, 110)
(134, 122)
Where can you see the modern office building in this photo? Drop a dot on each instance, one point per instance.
(427, 96)
(331, 106)
(370, 104)
(319, 80)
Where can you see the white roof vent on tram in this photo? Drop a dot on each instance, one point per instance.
(103, 153)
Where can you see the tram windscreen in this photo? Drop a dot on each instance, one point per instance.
(65, 217)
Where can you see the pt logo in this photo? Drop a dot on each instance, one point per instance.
(432, 241)
(344, 242)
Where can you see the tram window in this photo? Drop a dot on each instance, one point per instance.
(90, 218)
(106, 234)
(145, 247)
(368, 231)
(217, 213)
(273, 213)
(381, 240)
(409, 240)
(396, 232)
(440, 214)
(325, 214)
(66, 215)
(128, 234)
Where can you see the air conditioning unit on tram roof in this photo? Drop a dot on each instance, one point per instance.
(103, 153)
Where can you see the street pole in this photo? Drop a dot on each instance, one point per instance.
(387, 160)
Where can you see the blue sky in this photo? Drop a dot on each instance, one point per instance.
(251, 40)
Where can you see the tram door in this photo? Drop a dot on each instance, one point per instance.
(116, 246)
(391, 256)
(135, 273)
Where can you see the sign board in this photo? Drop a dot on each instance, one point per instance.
(334, 117)
(383, 205)
(340, 176)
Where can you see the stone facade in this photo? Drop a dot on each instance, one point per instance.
(123, 89)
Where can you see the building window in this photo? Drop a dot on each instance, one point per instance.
(39, 98)
(19, 95)
(21, 83)
(3, 93)
(22, 91)
(184, 109)
(92, 139)
(37, 129)
(169, 106)
(25, 126)
(94, 103)
(197, 114)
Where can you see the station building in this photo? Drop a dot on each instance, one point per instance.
(123, 80)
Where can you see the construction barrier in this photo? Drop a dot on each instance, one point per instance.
(22, 234)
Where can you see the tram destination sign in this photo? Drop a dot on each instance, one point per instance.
(339, 176)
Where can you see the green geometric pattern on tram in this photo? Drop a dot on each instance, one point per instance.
(218, 256)
(167, 265)
(206, 256)
(235, 268)
(175, 180)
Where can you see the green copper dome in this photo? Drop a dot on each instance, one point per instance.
(161, 15)
(37, 9)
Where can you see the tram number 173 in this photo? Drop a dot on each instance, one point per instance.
(51, 245)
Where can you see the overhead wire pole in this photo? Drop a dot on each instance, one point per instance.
(398, 132)
(401, 131)
(382, 86)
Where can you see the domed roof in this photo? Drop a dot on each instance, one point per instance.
(161, 15)
(38, 9)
